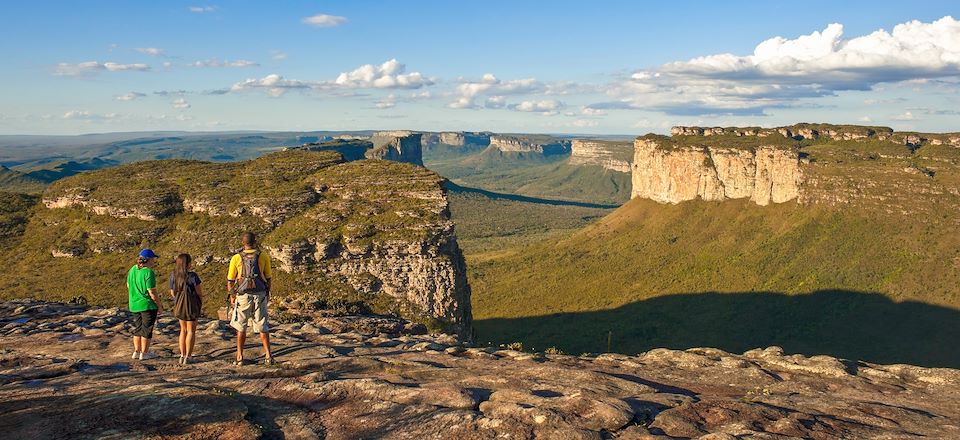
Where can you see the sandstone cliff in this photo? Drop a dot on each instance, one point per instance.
(372, 233)
(362, 377)
(672, 173)
(460, 138)
(350, 149)
(614, 156)
(398, 146)
(529, 145)
(872, 167)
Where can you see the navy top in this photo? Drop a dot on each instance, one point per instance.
(192, 282)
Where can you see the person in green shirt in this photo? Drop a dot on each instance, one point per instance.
(144, 302)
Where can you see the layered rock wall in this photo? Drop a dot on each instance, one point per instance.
(905, 173)
(375, 232)
(672, 174)
(459, 138)
(614, 156)
(402, 148)
(517, 145)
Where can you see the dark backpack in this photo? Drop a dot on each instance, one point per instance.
(250, 279)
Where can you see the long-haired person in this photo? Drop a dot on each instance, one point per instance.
(187, 300)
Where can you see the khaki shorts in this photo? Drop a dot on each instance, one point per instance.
(250, 310)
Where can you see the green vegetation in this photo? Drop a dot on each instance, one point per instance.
(845, 128)
(15, 181)
(489, 224)
(14, 211)
(290, 199)
(49, 170)
(722, 141)
(533, 174)
(703, 273)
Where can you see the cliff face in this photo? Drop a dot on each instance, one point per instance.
(614, 156)
(352, 149)
(372, 233)
(518, 145)
(460, 138)
(870, 167)
(398, 147)
(672, 175)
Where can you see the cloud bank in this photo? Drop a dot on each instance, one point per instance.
(782, 71)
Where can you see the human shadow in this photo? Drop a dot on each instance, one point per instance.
(842, 323)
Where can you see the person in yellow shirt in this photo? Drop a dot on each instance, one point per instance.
(248, 284)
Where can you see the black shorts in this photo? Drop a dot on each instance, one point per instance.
(143, 323)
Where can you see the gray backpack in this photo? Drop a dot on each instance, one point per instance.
(250, 278)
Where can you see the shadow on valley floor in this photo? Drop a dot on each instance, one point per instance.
(518, 198)
(841, 323)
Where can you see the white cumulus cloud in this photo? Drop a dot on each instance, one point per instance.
(546, 107)
(180, 103)
(129, 96)
(905, 116)
(214, 62)
(389, 101)
(389, 75)
(324, 20)
(201, 9)
(77, 69)
(782, 70)
(152, 51)
(493, 90)
(84, 115)
(590, 111)
(273, 84)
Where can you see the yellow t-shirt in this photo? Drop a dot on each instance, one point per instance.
(234, 271)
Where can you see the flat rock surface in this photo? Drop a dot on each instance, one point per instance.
(66, 372)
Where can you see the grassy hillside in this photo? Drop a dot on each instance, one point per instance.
(532, 174)
(732, 275)
(14, 212)
(50, 170)
(15, 181)
(489, 224)
(318, 213)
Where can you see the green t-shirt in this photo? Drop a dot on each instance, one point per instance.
(138, 281)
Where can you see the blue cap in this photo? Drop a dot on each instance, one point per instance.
(147, 253)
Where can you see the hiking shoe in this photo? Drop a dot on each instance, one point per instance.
(269, 361)
(148, 355)
(136, 355)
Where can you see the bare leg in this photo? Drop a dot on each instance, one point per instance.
(145, 343)
(137, 344)
(191, 337)
(182, 340)
(265, 339)
(241, 339)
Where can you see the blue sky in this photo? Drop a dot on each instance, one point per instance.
(614, 67)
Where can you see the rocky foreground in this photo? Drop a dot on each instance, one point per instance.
(66, 372)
